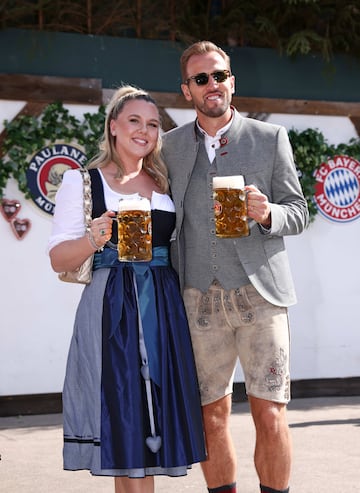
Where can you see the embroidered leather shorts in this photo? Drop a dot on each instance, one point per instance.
(226, 325)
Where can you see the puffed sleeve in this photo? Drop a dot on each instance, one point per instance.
(68, 220)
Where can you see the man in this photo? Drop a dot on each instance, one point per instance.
(236, 291)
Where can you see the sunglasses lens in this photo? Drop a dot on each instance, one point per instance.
(220, 76)
(201, 79)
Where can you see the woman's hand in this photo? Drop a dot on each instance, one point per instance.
(70, 254)
(100, 230)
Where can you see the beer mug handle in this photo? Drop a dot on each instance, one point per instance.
(109, 243)
(243, 195)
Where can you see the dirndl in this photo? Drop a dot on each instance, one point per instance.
(118, 421)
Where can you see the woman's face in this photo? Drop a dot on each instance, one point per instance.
(136, 129)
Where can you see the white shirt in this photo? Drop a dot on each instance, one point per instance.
(213, 143)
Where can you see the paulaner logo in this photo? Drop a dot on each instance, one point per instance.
(337, 189)
(46, 169)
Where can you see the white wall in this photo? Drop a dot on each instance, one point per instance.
(325, 323)
(37, 310)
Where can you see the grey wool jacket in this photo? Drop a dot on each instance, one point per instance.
(262, 153)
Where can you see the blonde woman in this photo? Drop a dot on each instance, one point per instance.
(131, 400)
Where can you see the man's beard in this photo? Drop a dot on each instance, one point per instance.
(215, 112)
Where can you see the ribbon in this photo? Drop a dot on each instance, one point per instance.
(145, 298)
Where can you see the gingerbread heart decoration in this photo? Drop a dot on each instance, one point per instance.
(10, 209)
(20, 227)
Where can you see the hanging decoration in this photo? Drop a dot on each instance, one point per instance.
(10, 209)
(20, 227)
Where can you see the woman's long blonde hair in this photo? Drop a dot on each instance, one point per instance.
(152, 163)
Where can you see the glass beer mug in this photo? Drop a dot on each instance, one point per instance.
(134, 230)
(230, 206)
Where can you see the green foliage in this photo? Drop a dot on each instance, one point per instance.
(302, 41)
(311, 149)
(27, 134)
(294, 27)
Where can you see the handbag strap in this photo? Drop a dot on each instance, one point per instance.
(86, 196)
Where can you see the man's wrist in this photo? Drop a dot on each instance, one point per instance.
(267, 223)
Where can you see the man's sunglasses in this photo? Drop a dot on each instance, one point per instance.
(203, 78)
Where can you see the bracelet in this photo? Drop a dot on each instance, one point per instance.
(92, 241)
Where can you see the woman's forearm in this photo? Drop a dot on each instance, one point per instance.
(70, 254)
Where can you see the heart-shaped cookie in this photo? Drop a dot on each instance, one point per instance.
(20, 227)
(9, 209)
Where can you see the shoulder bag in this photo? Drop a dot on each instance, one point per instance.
(83, 274)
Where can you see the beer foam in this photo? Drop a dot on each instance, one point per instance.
(135, 204)
(234, 181)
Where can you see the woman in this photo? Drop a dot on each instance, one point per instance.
(119, 420)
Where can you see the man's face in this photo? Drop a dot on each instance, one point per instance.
(213, 98)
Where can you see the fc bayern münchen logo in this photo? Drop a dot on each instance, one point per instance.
(46, 169)
(337, 189)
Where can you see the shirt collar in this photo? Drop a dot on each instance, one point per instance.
(220, 132)
(213, 142)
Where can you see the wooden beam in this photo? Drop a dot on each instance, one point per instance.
(163, 99)
(262, 105)
(171, 100)
(167, 122)
(21, 87)
(269, 105)
(297, 106)
(32, 109)
(356, 122)
(46, 89)
(89, 91)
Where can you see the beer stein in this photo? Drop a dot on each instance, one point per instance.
(230, 206)
(134, 230)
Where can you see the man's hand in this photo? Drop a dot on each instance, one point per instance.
(258, 206)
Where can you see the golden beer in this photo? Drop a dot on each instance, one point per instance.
(134, 230)
(230, 207)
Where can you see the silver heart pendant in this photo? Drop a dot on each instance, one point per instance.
(154, 443)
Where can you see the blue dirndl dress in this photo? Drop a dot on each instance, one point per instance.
(131, 404)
